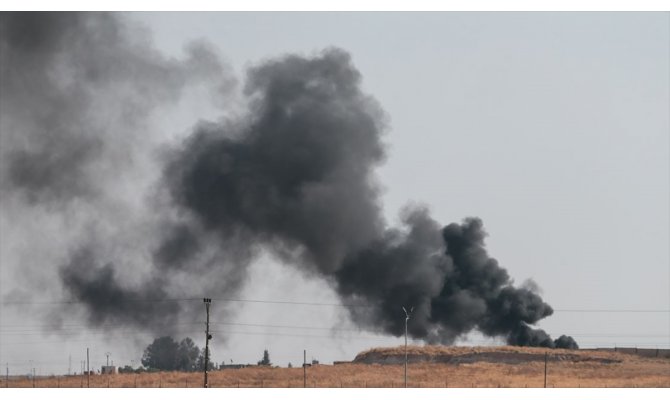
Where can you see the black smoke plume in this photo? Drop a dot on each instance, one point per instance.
(98, 287)
(297, 177)
(77, 89)
(294, 175)
(77, 95)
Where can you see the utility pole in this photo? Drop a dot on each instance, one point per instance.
(545, 369)
(32, 372)
(304, 369)
(88, 370)
(69, 365)
(207, 302)
(7, 376)
(407, 315)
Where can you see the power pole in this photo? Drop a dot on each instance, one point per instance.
(88, 370)
(304, 369)
(69, 365)
(407, 315)
(32, 372)
(545, 369)
(207, 302)
(108, 354)
(7, 376)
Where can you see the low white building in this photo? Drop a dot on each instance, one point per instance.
(109, 369)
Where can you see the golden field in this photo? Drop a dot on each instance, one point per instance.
(460, 367)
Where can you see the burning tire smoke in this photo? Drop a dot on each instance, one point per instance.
(293, 175)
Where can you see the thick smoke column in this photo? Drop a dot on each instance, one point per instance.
(78, 91)
(297, 177)
(453, 283)
(294, 174)
(99, 288)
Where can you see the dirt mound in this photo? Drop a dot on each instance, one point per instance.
(465, 355)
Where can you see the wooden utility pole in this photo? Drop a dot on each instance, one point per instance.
(88, 370)
(207, 302)
(304, 369)
(545, 369)
(407, 315)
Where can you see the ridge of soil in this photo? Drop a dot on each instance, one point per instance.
(468, 355)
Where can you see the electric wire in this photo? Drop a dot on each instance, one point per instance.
(303, 303)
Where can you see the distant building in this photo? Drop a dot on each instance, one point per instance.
(109, 369)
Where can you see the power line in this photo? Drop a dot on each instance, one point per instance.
(237, 333)
(126, 300)
(196, 330)
(374, 339)
(118, 300)
(73, 328)
(132, 333)
(77, 328)
(303, 303)
(612, 310)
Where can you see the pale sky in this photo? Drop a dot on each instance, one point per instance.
(551, 127)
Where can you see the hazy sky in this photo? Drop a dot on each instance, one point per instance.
(551, 127)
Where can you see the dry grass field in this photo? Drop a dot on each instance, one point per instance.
(430, 366)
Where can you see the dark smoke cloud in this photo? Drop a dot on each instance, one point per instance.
(297, 177)
(111, 300)
(77, 89)
(449, 279)
(294, 175)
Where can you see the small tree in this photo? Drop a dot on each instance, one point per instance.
(126, 370)
(266, 358)
(161, 354)
(201, 362)
(166, 354)
(187, 355)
